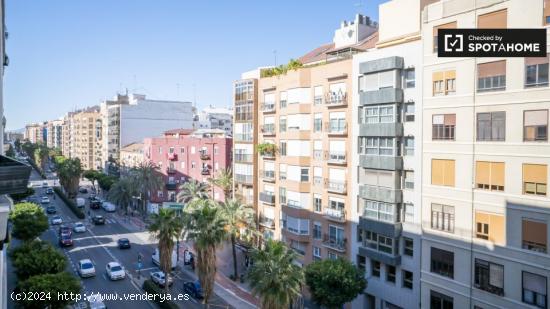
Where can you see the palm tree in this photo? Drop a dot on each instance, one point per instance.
(146, 179)
(237, 216)
(207, 229)
(224, 181)
(166, 226)
(122, 192)
(274, 277)
(41, 155)
(191, 191)
(69, 173)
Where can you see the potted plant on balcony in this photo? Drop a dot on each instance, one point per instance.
(266, 149)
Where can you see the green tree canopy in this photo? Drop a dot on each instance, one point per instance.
(121, 193)
(105, 182)
(37, 258)
(333, 283)
(92, 175)
(69, 173)
(29, 221)
(49, 284)
(20, 196)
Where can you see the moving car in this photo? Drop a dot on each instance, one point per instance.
(108, 207)
(95, 302)
(86, 268)
(56, 220)
(65, 241)
(83, 190)
(64, 231)
(98, 220)
(124, 243)
(115, 271)
(44, 184)
(45, 200)
(159, 278)
(194, 289)
(156, 258)
(49, 191)
(51, 210)
(79, 227)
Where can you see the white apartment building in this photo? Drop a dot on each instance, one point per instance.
(485, 205)
(215, 118)
(130, 119)
(387, 90)
(54, 133)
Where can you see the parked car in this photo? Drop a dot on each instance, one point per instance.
(83, 190)
(51, 210)
(194, 289)
(95, 203)
(108, 207)
(79, 227)
(124, 243)
(115, 271)
(65, 241)
(86, 268)
(98, 220)
(49, 191)
(159, 278)
(64, 230)
(45, 200)
(80, 202)
(56, 220)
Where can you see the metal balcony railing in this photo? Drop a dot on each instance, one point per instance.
(336, 99)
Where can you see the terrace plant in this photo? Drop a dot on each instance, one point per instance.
(266, 148)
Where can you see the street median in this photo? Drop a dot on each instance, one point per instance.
(70, 203)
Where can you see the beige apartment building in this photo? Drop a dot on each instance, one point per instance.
(86, 138)
(304, 184)
(485, 204)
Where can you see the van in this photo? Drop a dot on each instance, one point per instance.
(108, 207)
(80, 202)
(156, 258)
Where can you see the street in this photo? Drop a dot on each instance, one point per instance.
(99, 243)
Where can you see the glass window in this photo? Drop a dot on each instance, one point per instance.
(443, 126)
(408, 146)
(534, 289)
(533, 235)
(304, 174)
(489, 277)
(536, 72)
(408, 246)
(491, 126)
(535, 125)
(390, 273)
(443, 217)
(409, 78)
(407, 279)
(442, 262)
(440, 301)
(375, 265)
(409, 112)
(317, 203)
(535, 179)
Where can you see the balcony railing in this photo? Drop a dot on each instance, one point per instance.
(318, 155)
(336, 99)
(170, 170)
(336, 186)
(246, 179)
(243, 157)
(334, 243)
(205, 171)
(317, 100)
(243, 116)
(268, 107)
(268, 175)
(282, 175)
(173, 156)
(268, 129)
(239, 137)
(333, 214)
(317, 181)
(336, 128)
(171, 186)
(267, 197)
(336, 157)
(266, 222)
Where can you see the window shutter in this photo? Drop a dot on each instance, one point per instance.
(438, 119)
(495, 68)
(536, 60)
(496, 275)
(536, 118)
(450, 120)
(449, 173)
(482, 172)
(534, 231)
(497, 173)
(534, 173)
(444, 26)
(534, 283)
(437, 171)
(493, 20)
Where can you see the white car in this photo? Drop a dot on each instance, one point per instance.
(79, 227)
(45, 200)
(56, 220)
(108, 207)
(115, 271)
(86, 268)
(95, 302)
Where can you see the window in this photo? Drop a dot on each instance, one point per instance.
(193, 164)
(409, 78)
(377, 81)
(534, 235)
(390, 273)
(171, 150)
(377, 146)
(443, 172)
(282, 195)
(489, 277)
(408, 112)
(409, 212)
(444, 83)
(192, 149)
(160, 194)
(534, 289)
(378, 242)
(535, 125)
(490, 227)
(317, 203)
(442, 262)
(380, 211)
(316, 253)
(318, 122)
(409, 180)
(332, 256)
(182, 150)
(491, 126)
(490, 175)
(282, 148)
(491, 76)
(375, 268)
(282, 124)
(444, 26)
(282, 99)
(443, 126)
(317, 230)
(493, 20)
(536, 72)
(361, 263)
(440, 301)
(408, 246)
(408, 146)
(304, 174)
(377, 114)
(443, 217)
(407, 279)
(534, 179)
(160, 149)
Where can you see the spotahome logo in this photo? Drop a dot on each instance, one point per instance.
(491, 43)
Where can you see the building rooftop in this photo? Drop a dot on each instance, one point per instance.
(133, 147)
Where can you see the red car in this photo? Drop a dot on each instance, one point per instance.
(65, 241)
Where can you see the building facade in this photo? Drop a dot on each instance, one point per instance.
(485, 205)
(215, 118)
(54, 133)
(86, 138)
(34, 133)
(131, 156)
(183, 154)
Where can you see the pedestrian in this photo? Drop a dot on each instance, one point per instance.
(88, 212)
(192, 261)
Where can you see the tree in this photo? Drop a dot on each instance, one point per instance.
(10, 152)
(49, 284)
(29, 148)
(206, 228)
(333, 283)
(166, 226)
(37, 258)
(20, 196)
(105, 182)
(41, 155)
(274, 277)
(69, 173)
(17, 144)
(191, 191)
(237, 216)
(122, 192)
(224, 181)
(92, 175)
(28, 220)
(147, 179)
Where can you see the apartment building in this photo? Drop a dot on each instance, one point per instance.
(131, 156)
(386, 178)
(304, 145)
(215, 118)
(86, 135)
(183, 154)
(245, 161)
(131, 118)
(34, 133)
(485, 205)
(54, 133)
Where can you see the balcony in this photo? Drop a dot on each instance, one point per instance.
(294, 234)
(381, 96)
(239, 137)
(243, 158)
(268, 155)
(384, 64)
(282, 175)
(317, 181)
(371, 250)
(336, 215)
(387, 229)
(266, 222)
(171, 186)
(381, 162)
(204, 155)
(382, 194)
(268, 107)
(334, 243)
(336, 129)
(381, 129)
(335, 186)
(268, 175)
(318, 100)
(268, 198)
(268, 129)
(336, 99)
(14, 176)
(173, 156)
(205, 171)
(336, 157)
(170, 170)
(245, 179)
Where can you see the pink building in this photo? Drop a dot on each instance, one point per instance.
(187, 154)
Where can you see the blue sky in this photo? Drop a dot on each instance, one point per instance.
(66, 53)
